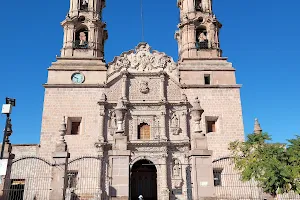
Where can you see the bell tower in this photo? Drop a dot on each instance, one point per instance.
(84, 31)
(198, 34)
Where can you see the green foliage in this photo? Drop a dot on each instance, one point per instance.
(275, 167)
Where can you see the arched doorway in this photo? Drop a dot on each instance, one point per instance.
(143, 180)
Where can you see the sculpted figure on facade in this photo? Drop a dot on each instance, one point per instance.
(120, 111)
(176, 169)
(82, 38)
(174, 123)
(112, 123)
(202, 37)
(212, 36)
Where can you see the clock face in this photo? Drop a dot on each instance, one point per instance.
(77, 78)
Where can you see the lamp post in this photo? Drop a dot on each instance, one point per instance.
(6, 109)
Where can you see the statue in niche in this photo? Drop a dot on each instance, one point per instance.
(174, 124)
(112, 125)
(176, 169)
(202, 37)
(82, 38)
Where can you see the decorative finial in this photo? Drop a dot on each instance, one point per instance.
(196, 104)
(121, 104)
(103, 97)
(63, 130)
(197, 112)
(61, 145)
(257, 128)
(184, 98)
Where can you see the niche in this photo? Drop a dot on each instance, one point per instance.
(201, 40)
(81, 38)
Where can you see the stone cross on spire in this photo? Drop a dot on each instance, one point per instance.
(257, 128)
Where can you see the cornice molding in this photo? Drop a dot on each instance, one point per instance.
(184, 86)
(74, 86)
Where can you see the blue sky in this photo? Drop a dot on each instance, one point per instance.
(260, 38)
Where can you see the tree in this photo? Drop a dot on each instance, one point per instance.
(275, 167)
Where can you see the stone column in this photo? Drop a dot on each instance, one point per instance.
(165, 192)
(162, 87)
(74, 7)
(91, 5)
(185, 177)
(66, 27)
(185, 125)
(102, 103)
(163, 134)
(92, 37)
(59, 171)
(102, 176)
(135, 128)
(124, 85)
(192, 40)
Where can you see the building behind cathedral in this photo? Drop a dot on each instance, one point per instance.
(141, 124)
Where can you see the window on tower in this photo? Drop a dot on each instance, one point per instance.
(73, 125)
(201, 41)
(81, 39)
(84, 5)
(211, 124)
(207, 79)
(144, 131)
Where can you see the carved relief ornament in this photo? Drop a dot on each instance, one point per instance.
(142, 60)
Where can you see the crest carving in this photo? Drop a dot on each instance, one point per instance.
(144, 87)
(143, 60)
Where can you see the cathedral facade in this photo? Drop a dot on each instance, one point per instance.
(140, 125)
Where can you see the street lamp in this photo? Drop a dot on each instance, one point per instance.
(6, 109)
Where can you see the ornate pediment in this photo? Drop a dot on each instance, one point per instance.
(143, 60)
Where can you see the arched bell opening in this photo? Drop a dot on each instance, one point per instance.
(143, 180)
(201, 38)
(198, 5)
(81, 38)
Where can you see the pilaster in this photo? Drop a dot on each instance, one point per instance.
(163, 134)
(102, 104)
(162, 87)
(165, 192)
(124, 85)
